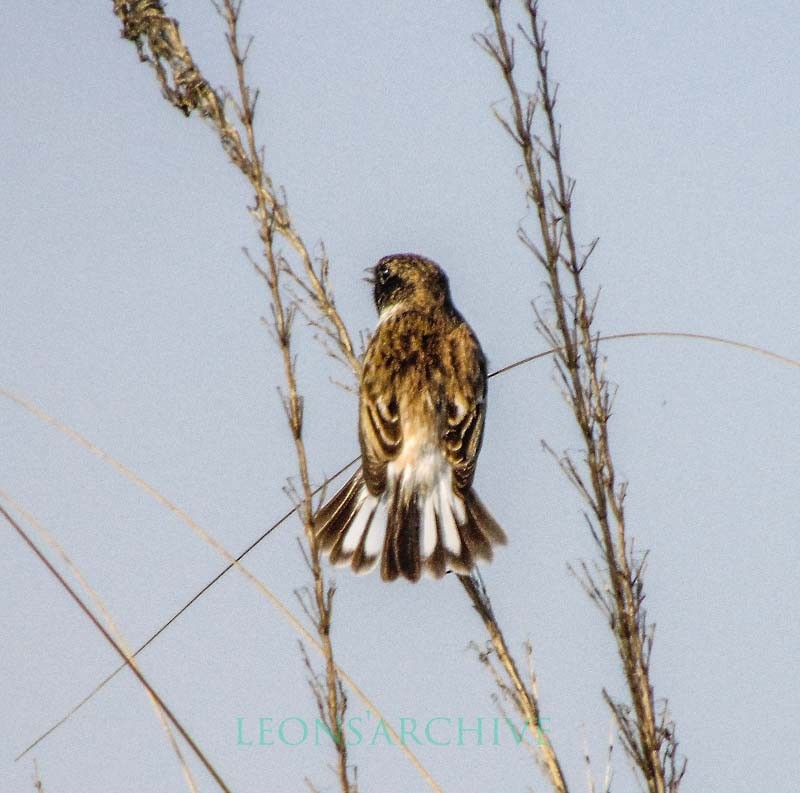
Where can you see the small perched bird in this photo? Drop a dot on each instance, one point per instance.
(422, 404)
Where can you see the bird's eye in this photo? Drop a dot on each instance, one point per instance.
(382, 273)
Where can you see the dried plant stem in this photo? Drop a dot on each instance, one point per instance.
(110, 624)
(772, 355)
(648, 738)
(524, 698)
(661, 334)
(158, 41)
(332, 700)
(38, 785)
(186, 519)
(140, 677)
(41, 415)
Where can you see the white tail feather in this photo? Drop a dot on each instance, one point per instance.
(371, 516)
(429, 535)
(457, 505)
(364, 510)
(377, 529)
(441, 512)
(451, 538)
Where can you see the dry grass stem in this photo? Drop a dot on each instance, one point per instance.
(232, 561)
(297, 282)
(110, 624)
(38, 785)
(524, 698)
(184, 86)
(608, 774)
(158, 42)
(647, 732)
(41, 415)
(121, 652)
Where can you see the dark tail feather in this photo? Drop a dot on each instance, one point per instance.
(401, 547)
(478, 533)
(402, 531)
(484, 522)
(332, 520)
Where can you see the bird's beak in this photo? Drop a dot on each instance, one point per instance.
(370, 279)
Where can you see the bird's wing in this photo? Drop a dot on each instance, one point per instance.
(380, 432)
(466, 407)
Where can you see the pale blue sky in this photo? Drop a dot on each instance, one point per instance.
(129, 313)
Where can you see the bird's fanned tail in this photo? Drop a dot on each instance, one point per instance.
(407, 531)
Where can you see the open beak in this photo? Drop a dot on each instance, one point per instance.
(370, 279)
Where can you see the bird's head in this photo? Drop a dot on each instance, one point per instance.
(406, 280)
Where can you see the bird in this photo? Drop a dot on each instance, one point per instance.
(422, 406)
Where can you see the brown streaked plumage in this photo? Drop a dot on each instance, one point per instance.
(422, 404)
